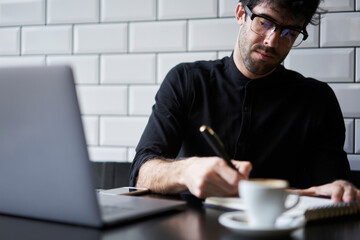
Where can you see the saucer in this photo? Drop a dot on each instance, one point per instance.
(237, 222)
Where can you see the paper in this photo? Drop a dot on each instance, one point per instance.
(311, 207)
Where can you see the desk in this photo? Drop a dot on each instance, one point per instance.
(194, 222)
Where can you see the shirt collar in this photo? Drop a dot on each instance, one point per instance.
(242, 80)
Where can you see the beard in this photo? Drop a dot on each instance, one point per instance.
(258, 66)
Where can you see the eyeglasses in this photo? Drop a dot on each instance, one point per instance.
(264, 26)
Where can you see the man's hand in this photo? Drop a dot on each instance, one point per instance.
(339, 190)
(213, 177)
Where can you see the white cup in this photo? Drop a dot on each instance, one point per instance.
(264, 200)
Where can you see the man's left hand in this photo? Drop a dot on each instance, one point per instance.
(339, 190)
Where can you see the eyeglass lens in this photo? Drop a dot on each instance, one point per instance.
(264, 26)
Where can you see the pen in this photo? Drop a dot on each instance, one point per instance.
(216, 144)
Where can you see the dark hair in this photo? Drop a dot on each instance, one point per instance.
(300, 9)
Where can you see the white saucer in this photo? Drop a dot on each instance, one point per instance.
(237, 222)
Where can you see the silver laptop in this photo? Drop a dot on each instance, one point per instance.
(45, 172)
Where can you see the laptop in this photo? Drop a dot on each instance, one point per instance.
(45, 171)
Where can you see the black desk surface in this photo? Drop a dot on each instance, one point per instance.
(194, 222)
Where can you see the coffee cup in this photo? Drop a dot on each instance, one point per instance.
(264, 200)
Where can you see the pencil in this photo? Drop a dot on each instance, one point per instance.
(215, 143)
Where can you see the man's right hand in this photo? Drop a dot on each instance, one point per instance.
(211, 176)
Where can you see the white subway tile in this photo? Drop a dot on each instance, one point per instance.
(47, 40)
(121, 131)
(22, 12)
(227, 8)
(328, 65)
(85, 67)
(336, 5)
(338, 29)
(349, 98)
(358, 65)
(222, 54)
(175, 9)
(107, 154)
(72, 11)
(102, 99)
(141, 99)
(131, 154)
(354, 161)
(167, 61)
(313, 39)
(128, 10)
(213, 34)
(10, 41)
(100, 38)
(357, 136)
(158, 36)
(128, 68)
(22, 61)
(349, 137)
(91, 129)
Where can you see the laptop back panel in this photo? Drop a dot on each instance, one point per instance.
(42, 148)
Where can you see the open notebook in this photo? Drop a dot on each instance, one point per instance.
(313, 208)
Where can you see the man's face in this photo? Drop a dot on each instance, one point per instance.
(260, 55)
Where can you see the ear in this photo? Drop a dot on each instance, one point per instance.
(240, 14)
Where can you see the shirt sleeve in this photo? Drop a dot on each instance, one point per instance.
(162, 137)
(329, 160)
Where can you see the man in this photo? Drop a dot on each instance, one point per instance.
(274, 122)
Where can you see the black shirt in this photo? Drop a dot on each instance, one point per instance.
(286, 125)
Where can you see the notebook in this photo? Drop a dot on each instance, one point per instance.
(313, 208)
(45, 172)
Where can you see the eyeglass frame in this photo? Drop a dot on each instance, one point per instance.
(277, 26)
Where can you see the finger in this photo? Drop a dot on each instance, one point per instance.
(343, 190)
(227, 173)
(357, 195)
(222, 180)
(215, 185)
(337, 190)
(226, 186)
(244, 167)
(350, 193)
(337, 194)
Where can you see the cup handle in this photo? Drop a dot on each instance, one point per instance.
(295, 202)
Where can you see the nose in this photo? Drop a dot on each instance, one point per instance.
(272, 39)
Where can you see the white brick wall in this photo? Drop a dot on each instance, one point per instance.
(160, 36)
(174, 9)
(22, 12)
(332, 64)
(121, 50)
(86, 70)
(336, 5)
(357, 136)
(46, 40)
(357, 66)
(72, 11)
(100, 38)
(10, 41)
(128, 10)
(128, 68)
(338, 29)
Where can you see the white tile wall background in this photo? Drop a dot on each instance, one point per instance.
(121, 50)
